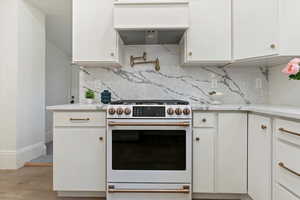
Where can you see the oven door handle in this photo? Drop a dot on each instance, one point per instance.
(185, 190)
(149, 123)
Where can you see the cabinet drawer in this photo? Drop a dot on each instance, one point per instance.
(283, 194)
(288, 130)
(204, 119)
(288, 166)
(79, 119)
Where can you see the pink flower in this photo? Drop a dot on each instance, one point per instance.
(292, 67)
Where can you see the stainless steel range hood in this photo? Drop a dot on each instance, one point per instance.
(138, 37)
(151, 22)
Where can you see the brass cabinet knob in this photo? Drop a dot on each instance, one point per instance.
(264, 127)
(273, 46)
(190, 53)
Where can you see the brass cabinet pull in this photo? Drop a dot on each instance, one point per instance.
(290, 132)
(185, 190)
(264, 127)
(79, 119)
(281, 164)
(148, 124)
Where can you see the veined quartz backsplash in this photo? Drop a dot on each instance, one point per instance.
(240, 85)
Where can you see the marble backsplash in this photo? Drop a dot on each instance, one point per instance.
(240, 85)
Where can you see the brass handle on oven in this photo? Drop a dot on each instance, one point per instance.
(79, 119)
(281, 164)
(290, 132)
(148, 124)
(185, 190)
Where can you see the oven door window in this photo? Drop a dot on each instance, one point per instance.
(149, 150)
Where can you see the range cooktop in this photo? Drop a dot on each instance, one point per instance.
(150, 102)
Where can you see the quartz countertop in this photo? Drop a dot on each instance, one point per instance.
(275, 110)
(78, 107)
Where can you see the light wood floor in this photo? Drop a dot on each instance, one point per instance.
(29, 183)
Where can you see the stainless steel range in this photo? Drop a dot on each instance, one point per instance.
(149, 152)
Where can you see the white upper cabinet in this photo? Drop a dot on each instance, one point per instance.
(208, 40)
(255, 28)
(289, 16)
(265, 28)
(145, 15)
(95, 42)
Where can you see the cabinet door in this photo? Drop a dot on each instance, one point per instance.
(259, 162)
(231, 165)
(79, 159)
(289, 27)
(203, 160)
(255, 28)
(209, 35)
(94, 38)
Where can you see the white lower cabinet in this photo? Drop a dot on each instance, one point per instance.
(79, 159)
(283, 194)
(287, 160)
(259, 157)
(203, 160)
(220, 153)
(231, 155)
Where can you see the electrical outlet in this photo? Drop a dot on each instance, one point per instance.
(258, 83)
(214, 83)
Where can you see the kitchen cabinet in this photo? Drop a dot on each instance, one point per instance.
(286, 154)
(265, 31)
(283, 194)
(231, 153)
(203, 160)
(95, 42)
(259, 157)
(255, 28)
(289, 27)
(79, 157)
(208, 39)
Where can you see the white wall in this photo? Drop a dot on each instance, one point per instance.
(8, 81)
(22, 83)
(58, 82)
(282, 90)
(31, 80)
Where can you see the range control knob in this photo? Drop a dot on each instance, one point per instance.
(186, 111)
(120, 111)
(127, 111)
(178, 111)
(170, 111)
(111, 111)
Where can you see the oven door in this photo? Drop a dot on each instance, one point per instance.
(149, 151)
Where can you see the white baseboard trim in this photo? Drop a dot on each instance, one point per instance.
(29, 153)
(17, 159)
(80, 194)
